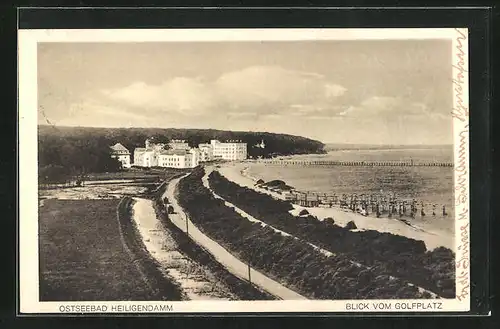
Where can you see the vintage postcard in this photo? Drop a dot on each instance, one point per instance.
(243, 170)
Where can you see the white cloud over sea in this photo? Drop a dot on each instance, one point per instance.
(357, 92)
(255, 90)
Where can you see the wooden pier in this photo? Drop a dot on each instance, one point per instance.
(355, 163)
(376, 204)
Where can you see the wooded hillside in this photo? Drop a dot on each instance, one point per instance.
(75, 150)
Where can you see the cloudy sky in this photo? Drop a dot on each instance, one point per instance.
(373, 92)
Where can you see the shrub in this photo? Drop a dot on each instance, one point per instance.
(329, 220)
(351, 225)
(303, 212)
(275, 183)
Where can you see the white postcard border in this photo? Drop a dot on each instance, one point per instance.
(28, 199)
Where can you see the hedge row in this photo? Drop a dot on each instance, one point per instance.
(238, 287)
(396, 255)
(293, 263)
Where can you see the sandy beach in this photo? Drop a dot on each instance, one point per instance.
(432, 238)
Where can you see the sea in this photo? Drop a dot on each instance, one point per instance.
(432, 186)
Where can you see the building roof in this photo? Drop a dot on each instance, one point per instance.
(142, 149)
(231, 141)
(119, 148)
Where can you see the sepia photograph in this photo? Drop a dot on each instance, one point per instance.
(190, 171)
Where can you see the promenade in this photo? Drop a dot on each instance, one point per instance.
(223, 256)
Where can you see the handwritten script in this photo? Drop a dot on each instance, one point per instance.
(461, 109)
(460, 114)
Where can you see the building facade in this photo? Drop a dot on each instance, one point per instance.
(178, 144)
(178, 159)
(180, 155)
(155, 155)
(206, 152)
(230, 150)
(144, 157)
(122, 154)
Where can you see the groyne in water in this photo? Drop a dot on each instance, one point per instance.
(354, 163)
(376, 204)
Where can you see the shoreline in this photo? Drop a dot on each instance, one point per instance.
(432, 238)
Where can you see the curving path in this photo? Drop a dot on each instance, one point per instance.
(231, 263)
(327, 253)
(253, 219)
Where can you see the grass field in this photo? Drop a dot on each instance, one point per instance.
(81, 255)
(135, 173)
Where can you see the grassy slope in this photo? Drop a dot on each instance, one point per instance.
(81, 255)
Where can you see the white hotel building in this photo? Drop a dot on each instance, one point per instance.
(178, 159)
(231, 150)
(178, 144)
(120, 152)
(180, 155)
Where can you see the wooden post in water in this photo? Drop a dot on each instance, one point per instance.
(249, 275)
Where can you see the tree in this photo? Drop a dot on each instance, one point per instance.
(52, 174)
(160, 138)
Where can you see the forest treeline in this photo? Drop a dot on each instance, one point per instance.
(71, 151)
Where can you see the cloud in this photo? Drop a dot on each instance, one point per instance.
(256, 89)
(333, 91)
(272, 116)
(184, 95)
(381, 106)
(272, 87)
(266, 92)
(241, 114)
(322, 117)
(85, 113)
